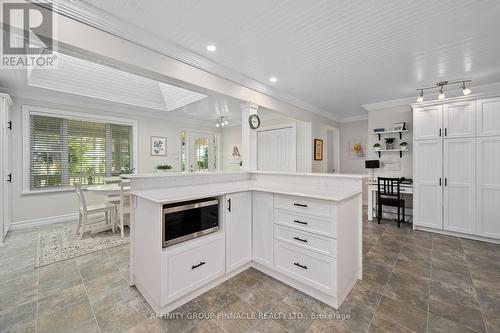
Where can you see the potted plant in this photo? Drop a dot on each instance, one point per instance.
(403, 145)
(163, 167)
(376, 146)
(389, 142)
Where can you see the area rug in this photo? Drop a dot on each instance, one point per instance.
(63, 244)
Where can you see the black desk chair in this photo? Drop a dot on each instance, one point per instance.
(389, 194)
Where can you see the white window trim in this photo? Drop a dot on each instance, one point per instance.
(28, 110)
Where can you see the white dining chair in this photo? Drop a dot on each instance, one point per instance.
(122, 203)
(85, 210)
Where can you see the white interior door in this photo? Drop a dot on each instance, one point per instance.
(201, 152)
(427, 122)
(459, 119)
(428, 183)
(5, 168)
(459, 184)
(276, 150)
(488, 187)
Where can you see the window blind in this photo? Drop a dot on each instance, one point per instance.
(68, 151)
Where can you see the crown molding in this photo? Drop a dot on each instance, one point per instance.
(90, 16)
(353, 118)
(482, 91)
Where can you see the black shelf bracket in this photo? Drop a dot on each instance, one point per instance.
(400, 135)
(400, 154)
(379, 138)
(379, 154)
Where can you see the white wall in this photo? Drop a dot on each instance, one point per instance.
(230, 136)
(352, 131)
(386, 118)
(27, 207)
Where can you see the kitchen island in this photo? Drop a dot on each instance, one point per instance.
(302, 229)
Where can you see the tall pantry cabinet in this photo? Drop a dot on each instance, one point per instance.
(457, 167)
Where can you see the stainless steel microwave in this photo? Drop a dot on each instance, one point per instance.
(189, 219)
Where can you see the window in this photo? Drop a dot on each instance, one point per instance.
(65, 151)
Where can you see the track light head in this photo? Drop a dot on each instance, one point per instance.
(420, 98)
(441, 93)
(466, 91)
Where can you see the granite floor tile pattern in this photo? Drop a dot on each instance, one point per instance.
(412, 282)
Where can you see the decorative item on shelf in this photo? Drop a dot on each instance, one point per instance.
(376, 146)
(403, 145)
(378, 130)
(222, 121)
(318, 150)
(158, 146)
(163, 167)
(235, 154)
(400, 126)
(389, 143)
(357, 148)
(440, 85)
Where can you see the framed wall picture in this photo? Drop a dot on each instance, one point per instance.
(401, 126)
(158, 146)
(318, 150)
(357, 148)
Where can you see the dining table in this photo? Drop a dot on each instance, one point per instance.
(108, 189)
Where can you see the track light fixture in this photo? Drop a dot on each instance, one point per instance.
(466, 91)
(222, 121)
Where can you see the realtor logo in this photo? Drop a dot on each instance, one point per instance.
(28, 35)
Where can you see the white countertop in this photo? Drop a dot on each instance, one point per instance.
(190, 192)
(176, 174)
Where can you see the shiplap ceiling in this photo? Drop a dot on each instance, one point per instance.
(335, 55)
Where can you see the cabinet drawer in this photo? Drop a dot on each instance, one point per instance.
(306, 240)
(322, 226)
(192, 267)
(313, 269)
(304, 205)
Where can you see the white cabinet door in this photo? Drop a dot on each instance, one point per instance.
(459, 119)
(238, 229)
(5, 167)
(488, 117)
(263, 214)
(488, 187)
(427, 122)
(459, 184)
(428, 183)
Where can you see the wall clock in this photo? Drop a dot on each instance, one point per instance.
(254, 121)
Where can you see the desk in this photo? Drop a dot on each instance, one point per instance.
(372, 189)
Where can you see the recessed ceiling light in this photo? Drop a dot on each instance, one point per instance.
(211, 47)
(273, 79)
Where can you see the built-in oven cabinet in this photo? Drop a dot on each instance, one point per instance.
(263, 237)
(238, 226)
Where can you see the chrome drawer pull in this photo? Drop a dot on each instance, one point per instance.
(300, 222)
(300, 205)
(300, 239)
(200, 264)
(301, 266)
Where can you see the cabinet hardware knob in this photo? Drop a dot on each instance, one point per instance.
(300, 239)
(300, 205)
(299, 265)
(229, 205)
(300, 222)
(200, 264)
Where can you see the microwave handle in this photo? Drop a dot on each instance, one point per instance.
(229, 205)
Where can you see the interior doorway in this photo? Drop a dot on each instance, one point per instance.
(332, 150)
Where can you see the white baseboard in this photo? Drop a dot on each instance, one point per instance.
(44, 221)
(456, 234)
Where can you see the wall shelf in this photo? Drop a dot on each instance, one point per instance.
(379, 151)
(390, 132)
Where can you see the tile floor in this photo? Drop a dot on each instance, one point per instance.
(412, 282)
